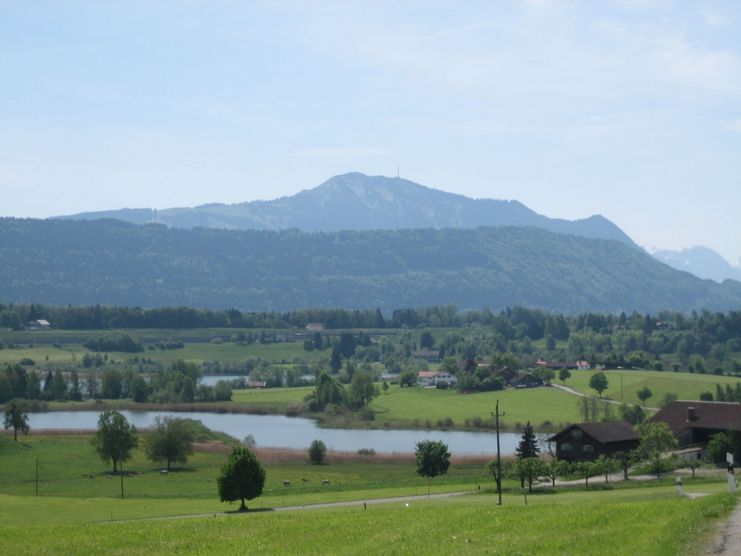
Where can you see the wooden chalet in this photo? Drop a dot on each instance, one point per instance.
(588, 441)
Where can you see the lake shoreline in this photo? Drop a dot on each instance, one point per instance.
(342, 421)
(281, 431)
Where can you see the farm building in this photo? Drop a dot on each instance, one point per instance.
(430, 379)
(588, 441)
(694, 422)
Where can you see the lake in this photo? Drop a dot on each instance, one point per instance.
(279, 431)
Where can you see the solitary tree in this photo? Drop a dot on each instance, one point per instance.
(564, 375)
(242, 478)
(317, 452)
(171, 440)
(16, 418)
(528, 446)
(115, 438)
(643, 394)
(598, 382)
(426, 341)
(433, 459)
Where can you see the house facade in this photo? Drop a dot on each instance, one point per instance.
(430, 379)
(589, 441)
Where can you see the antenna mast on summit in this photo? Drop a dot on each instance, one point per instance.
(397, 172)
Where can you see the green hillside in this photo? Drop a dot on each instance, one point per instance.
(111, 262)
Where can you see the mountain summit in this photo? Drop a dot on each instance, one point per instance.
(356, 201)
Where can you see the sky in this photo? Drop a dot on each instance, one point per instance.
(630, 109)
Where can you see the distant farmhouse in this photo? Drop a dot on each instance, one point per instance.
(38, 324)
(430, 379)
(315, 327)
(589, 441)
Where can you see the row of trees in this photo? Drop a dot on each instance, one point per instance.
(170, 439)
(177, 384)
(511, 323)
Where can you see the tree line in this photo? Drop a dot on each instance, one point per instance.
(176, 384)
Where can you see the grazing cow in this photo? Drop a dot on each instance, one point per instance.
(325, 481)
(286, 483)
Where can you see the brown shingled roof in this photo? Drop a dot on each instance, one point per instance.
(605, 431)
(708, 415)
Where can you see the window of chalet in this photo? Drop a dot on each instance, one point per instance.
(587, 448)
(566, 447)
(576, 433)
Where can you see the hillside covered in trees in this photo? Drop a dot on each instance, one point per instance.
(115, 263)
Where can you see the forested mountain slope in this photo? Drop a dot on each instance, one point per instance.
(113, 262)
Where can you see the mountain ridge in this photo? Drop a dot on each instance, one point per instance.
(355, 201)
(700, 261)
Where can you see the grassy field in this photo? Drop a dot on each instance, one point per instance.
(687, 386)
(404, 406)
(79, 510)
(420, 407)
(69, 467)
(651, 524)
(227, 352)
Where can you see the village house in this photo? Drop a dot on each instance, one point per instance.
(430, 379)
(589, 441)
(38, 324)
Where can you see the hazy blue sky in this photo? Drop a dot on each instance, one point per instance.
(631, 109)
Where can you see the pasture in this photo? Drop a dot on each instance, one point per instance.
(69, 467)
(79, 509)
(403, 407)
(624, 384)
(653, 522)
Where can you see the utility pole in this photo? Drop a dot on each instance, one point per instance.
(121, 469)
(37, 476)
(499, 458)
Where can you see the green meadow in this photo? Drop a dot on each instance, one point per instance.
(69, 467)
(196, 352)
(79, 509)
(418, 406)
(654, 524)
(624, 384)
